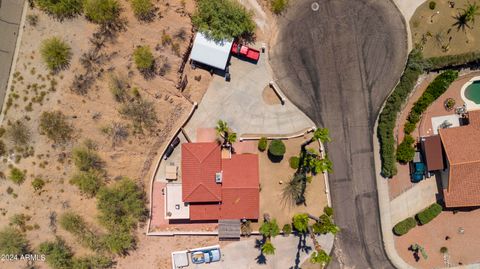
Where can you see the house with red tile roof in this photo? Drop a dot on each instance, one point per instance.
(217, 184)
(462, 149)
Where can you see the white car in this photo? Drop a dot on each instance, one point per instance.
(206, 256)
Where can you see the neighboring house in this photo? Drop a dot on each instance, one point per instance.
(218, 185)
(462, 152)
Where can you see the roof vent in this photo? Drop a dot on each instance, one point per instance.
(218, 177)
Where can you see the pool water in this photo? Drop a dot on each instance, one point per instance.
(472, 92)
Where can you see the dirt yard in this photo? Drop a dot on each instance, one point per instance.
(436, 29)
(35, 90)
(273, 178)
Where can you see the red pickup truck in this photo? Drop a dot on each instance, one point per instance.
(242, 50)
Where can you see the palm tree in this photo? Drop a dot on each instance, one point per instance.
(321, 134)
(320, 257)
(462, 22)
(300, 222)
(326, 165)
(270, 228)
(471, 11)
(268, 248)
(224, 132)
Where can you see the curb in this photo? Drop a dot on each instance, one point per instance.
(21, 26)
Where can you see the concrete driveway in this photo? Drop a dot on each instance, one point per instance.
(245, 254)
(10, 15)
(240, 103)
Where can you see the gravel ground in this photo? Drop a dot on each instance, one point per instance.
(338, 64)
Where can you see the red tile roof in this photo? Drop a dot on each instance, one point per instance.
(462, 148)
(238, 195)
(200, 163)
(432, 149)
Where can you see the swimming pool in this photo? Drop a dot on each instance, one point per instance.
(471, 93)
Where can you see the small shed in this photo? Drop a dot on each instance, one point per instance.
(210, 52)
(229, 229)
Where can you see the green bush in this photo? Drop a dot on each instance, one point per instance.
(88, 182)
(429, 213)
(74, 224)
(278, 6)
(86, 159)
(294, 162)
(287, 229)
(17, 175)
(12, 242)
(38, 184)
(102, 11)
(143, 9)
(121, 206)
(262, 144)
(58, 254)
(276, 148)
(269, 228)
(119, 242)
(328, 211)
(432, 5)
(393, 104)
(55, 126)
(406, 151)
(55, 53)
(61, 9)
(409, 127)
(440, 62)
(404, 226)
(223, 19)
(143, 58)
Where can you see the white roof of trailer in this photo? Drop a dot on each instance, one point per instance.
(210, 52)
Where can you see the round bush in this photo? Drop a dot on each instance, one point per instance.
(432, 5)
(404, 226)
(61, 9)
(287, 229)
(429, 213)
(262, 144)
(443, 250)
(277, 148)
(101, 11)
(55, 53)
(143, 9)
(143, 58)
(294, 162)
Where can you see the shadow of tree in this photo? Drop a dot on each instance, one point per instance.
(301, 247)
(261, 258)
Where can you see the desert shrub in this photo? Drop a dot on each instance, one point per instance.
(294, 162)
(143, 58)
(406, 151)
(429, 213)
(276, 148)
(432, 5)
(262, 144)
(328, 211)
(55, 126)
(58, 254)
(102, 11)
(117, 132)
(32, 19)
(20, 221)
(278, 6)
(12, 242)
(3, 148)
(19, 133)
(393, 104)
(86, 159)
(404, 226)
(443, 250)
(61, 9)
(223, 19)
(409, 127)
(38, 184)
(141, 113)
(74, 224)
(122, 205)
(119, 242)
(118, 86)
(55, 53)
(88, 182)
(287, 229)
(17, 175)
(92, 262)
(143, 9)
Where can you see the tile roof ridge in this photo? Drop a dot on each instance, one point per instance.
(205, 187)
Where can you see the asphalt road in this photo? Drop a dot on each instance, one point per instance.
(10, 15)
(338, 64)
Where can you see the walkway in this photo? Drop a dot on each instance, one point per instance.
(245, 254)
(241, 104)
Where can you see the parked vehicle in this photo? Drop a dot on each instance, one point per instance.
(417, 169)
(245, 51)
(171, 148)
(206, 256)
